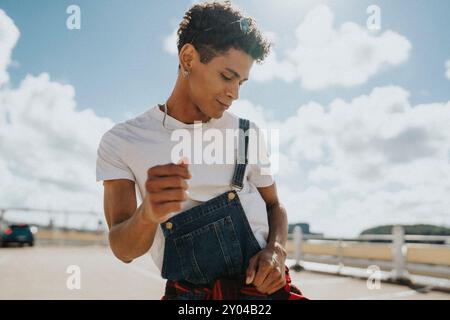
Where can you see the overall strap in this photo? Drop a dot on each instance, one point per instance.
(239, 169)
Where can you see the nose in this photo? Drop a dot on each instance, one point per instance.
(233, 91)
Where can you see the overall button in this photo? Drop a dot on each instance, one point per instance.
(169, 225)
(231, 196)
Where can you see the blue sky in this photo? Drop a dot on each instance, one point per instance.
(117, 62)
(363, 116)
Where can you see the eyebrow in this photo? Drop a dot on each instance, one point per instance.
(235, 74)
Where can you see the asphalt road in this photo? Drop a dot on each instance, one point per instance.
(46, 272)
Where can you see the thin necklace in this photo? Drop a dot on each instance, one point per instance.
(165, 115)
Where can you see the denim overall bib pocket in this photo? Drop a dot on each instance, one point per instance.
(214, 239)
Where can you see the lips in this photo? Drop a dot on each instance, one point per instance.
(226, 106)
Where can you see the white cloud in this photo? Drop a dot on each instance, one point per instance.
(373, 160)
(447, 67)
(272, 68)
(8, 38)
(256, 113)
(48, 146)
(324, 56)
(170, 43)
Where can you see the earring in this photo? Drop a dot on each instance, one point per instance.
(185, 73)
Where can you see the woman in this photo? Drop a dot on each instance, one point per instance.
(223, 235)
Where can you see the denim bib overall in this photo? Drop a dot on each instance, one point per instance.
(214, 239)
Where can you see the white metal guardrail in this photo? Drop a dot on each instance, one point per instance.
(25, 215)
(396, 252)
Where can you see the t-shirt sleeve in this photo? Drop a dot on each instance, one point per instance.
(110, 164)
(260, 171)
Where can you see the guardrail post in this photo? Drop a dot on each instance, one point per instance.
(2, 214)
(340, 250)
(298, 237)
(399, 273)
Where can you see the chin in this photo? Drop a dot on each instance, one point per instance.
(219, 114)
(215, 113)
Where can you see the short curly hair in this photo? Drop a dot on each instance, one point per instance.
(210, 29)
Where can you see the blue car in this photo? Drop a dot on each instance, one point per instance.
(16, 233)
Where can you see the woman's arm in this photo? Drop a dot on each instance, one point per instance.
(266, 269)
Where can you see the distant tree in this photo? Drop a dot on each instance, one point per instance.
(419, 229)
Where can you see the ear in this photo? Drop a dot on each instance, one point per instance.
(187, 57)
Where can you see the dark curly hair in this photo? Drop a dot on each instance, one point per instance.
(210, 29)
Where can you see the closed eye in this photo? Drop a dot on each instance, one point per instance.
(229, 79)
(225, 78)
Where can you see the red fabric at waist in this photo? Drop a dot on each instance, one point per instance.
(231, 289)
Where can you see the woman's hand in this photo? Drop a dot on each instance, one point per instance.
(266, 269)
(165, 191)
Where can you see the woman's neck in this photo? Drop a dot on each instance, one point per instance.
(180, 106)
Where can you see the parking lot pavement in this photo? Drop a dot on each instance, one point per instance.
(41, 273)
(46, 272)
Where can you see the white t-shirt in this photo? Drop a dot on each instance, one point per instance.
(130, 148)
